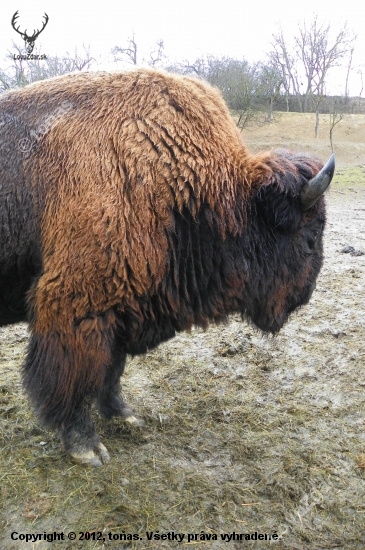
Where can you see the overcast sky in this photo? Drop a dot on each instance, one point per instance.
(189, 28)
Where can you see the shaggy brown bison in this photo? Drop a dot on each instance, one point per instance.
(130, 210)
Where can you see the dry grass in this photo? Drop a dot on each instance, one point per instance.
(243, 433)
(296, 131)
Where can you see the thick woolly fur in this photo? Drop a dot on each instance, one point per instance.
(137, 213)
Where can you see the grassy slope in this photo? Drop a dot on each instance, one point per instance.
(296, 131)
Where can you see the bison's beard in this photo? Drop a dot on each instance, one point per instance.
(270, 318)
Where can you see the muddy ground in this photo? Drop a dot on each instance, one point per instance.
(243, 433)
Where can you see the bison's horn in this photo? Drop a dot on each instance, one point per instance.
(315, 187)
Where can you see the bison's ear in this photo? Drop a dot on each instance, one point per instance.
(316, 186)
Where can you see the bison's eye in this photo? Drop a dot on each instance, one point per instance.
(313, 234)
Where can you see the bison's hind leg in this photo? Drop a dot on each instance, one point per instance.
(110, 402)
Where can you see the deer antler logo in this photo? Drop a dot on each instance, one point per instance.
(29, 40)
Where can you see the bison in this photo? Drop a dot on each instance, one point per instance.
(131, 210)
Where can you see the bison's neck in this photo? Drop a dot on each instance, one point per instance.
(204, 281)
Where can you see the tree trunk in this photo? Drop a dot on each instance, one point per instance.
(317, 123)
(269, 114)
(347, 76)
(331, 138)
(300, 103)
(287, 103)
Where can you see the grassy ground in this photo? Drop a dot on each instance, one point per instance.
(243, 432)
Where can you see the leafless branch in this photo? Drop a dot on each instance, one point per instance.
(129, 53)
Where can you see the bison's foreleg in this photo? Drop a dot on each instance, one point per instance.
(80, 439)
(64, 371)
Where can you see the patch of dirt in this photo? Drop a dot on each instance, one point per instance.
(243, 432)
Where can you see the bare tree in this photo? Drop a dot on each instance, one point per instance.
(21, 72)
(318, 54)
(129, 53)
(239, 81)
(248, 88)
(157, 55)
(280, 68)
(335, 117)
(200, 67)
(14, 76)
(271, 84)
(348, 74)
(82, 61)
(246, 92)
(287, 64)
(360, 72)
(315, 52)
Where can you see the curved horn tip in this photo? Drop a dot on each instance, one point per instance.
(316, 186)
(330, 166)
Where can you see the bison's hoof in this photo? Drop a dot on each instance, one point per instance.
(94, 457)
(134, 420)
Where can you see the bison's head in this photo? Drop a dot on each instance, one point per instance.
(287, 218)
